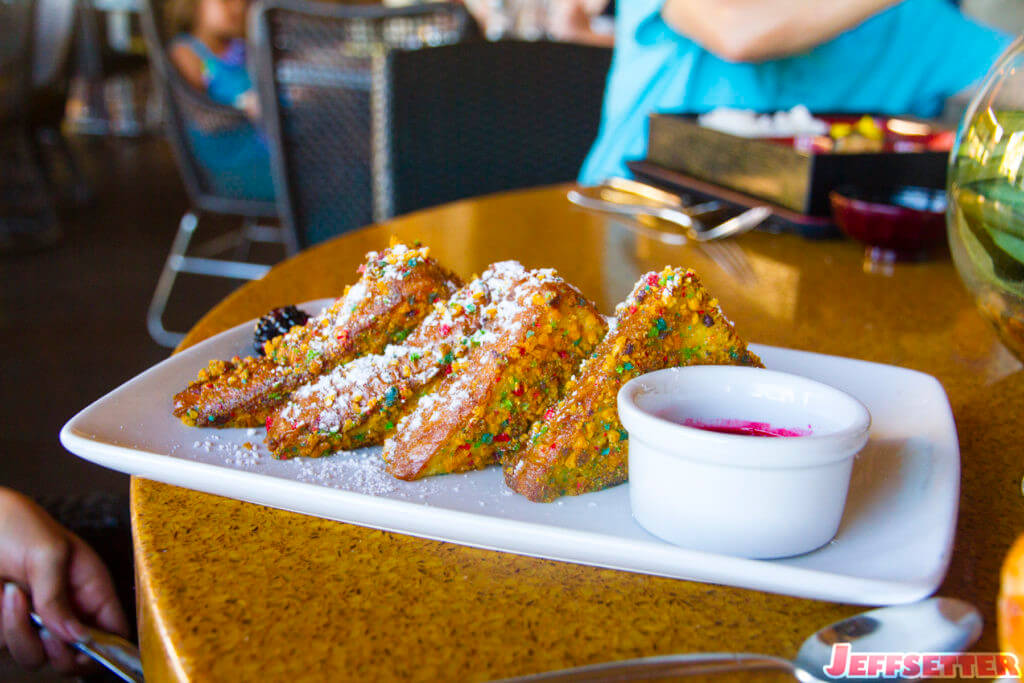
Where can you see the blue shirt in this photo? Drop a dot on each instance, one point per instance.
(225, 76)
(904, 60)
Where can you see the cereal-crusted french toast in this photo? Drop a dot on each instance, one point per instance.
(578, 446)
(359, 403)
(534, 343)
(396, 290)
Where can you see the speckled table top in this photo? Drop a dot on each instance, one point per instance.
(232, 591)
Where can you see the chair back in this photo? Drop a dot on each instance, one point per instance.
(314, 65)
(54, 30)
(187, 109)
(16, 23)
(476, 118)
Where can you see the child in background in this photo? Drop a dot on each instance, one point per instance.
(209, 49)
(209, 52)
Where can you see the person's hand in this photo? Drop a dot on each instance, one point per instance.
(249, 103)
(568, 20)
(50, 570)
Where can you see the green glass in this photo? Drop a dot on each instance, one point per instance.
(986, 198)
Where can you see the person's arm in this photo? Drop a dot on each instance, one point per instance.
(569, 22)
(45, 567)
(188, 64)
(756, 30)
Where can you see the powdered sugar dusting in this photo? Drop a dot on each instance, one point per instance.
(504, 323)
(245, 454)
(346, 396)
(359, 470)
(353, 297)
(393, 263)
(357, 387)
(461, 314)
(414, 420)
(363, 472)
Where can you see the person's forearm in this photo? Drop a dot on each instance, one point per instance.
(586, 37)
(596, 39)
(756, 30)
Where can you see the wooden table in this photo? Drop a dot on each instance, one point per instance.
(231, 591)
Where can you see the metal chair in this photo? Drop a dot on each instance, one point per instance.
(51, 74)
(362, 131)
(53, 32)
(17, 18)
(27, 218)
(314, 64)
(475, 118)
(186, 108)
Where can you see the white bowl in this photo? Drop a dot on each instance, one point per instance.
(738, 494)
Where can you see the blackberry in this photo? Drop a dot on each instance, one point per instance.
(276, 323)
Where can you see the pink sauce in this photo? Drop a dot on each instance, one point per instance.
(745, 428)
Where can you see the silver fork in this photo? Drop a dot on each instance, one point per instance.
(731, 258)
(620, 195)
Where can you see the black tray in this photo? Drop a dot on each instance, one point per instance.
(777, 171)
(695, 190)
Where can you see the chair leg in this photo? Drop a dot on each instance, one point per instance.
(81, 189)
(78, 192)
(27, 217)
(35, 147)
(157, 306)
(290, 239)
(244, 246)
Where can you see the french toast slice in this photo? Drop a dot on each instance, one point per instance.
(396, 290)
(579, 445)
(535, 342)
(358, 403)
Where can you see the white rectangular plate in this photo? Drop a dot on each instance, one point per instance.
(893, 545)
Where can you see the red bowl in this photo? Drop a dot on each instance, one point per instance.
(897, 224)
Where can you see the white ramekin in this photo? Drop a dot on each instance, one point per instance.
(751, 496)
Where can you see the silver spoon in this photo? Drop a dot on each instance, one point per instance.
(938, 625)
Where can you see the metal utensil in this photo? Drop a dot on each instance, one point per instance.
(617, 195)
(731, 258)
(677, 216)
(727, 255)
(112, 651)
(737, 225)
(635, 187)
(685, 217)
(938, 625)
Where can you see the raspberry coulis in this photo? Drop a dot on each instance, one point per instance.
(744, 428)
